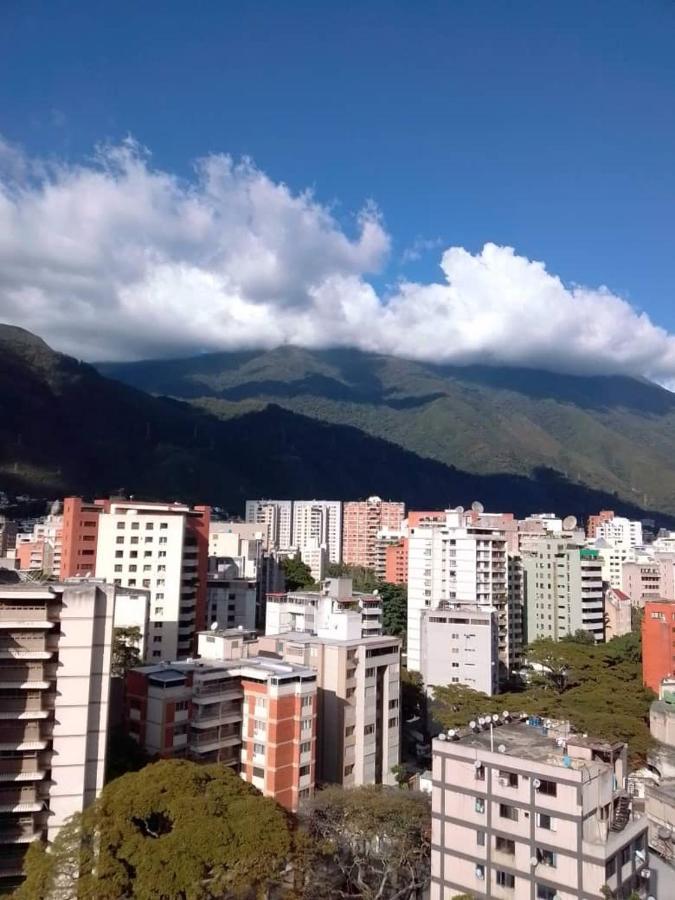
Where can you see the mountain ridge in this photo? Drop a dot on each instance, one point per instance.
(67, 428)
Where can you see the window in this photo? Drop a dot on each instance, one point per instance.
(610, 867)
(156, 653)
(119, 539)
(157, 639)
(393, 722)
(508, 812)
(261, 702)
(349, 769)
(303, 794)
(135, 526)
(163, 540)
(480, 838)
(305, 724)
(510, 779)
(134, 539)
(120, 526)
(369, 729)
(158, 624)
(162, 554)
(545, 893)
(259, 725)
(625, 854)
(181, 705)
(148, 539)
(350, 692)
(147, 568)
(163, 525)
(258, 772)
(133, 554)
(545, 821)
(161, 568)
(305, 747)
(505, 845)
(118, 568)
(480, 773)
(304, 770)
(147, 553)
(149, 526)
(146, 582)
(306, 701)
(550, 788)
(393, 704)
(480, 805)
(132, 567)
(546, 857)
(258, 748)
(119, 554)
(370, 672)
(505, 879)
(349, 730)
(480, 871)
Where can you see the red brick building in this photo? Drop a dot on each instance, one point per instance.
(658, 642)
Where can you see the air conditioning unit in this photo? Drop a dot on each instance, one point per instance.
(536, 783)
(645, 873)
(480, 875)
(504, 782)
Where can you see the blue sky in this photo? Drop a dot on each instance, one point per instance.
(547, 127)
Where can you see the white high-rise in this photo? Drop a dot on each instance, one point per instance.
(456, 562)
(276, 519)
(622, 533)
(318, 521)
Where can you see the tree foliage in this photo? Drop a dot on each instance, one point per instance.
(175, 830)
(394, 608)
(597, 687)
(126, 650)
(297, 574)
(363, 579)
(371, 843)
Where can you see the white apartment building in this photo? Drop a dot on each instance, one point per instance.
(316, 523)
(315, 556)
(563, 590)
(239, 542)
(359, 683)
(313, 611)
(528, 811)
(456, 562)
(231, 600)
(55, 655)
(460, 645)
(161, 548)
(620, 532)
(132, 610)
(612, 559)
(276, 519)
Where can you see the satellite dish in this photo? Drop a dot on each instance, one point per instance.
(441, 736)
(459, 509)
(502, 748)
(214, 626)
(569, 523)
(478, 507)
(533, 860)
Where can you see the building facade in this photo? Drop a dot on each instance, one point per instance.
(314, 611)
(275, 517)
(641, 580)
(658, 642)
(79, 536)
(618, 614)
(362, 520)
(460, 645)
(318, 523)
(519, 813)
(55, 656)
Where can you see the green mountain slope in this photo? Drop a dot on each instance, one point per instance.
(614, 434)
(64, 428)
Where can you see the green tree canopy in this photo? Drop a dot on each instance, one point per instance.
(297, 574)
(394, 608)
(363, 579)
(175, 830)
(372, 842)
(126, 652)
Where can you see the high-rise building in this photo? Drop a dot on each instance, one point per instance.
(240, 543)
(358, 680)
(396, 562)
(641, 580)
(362, 520)
(163, 548)
(612, 559)
(563, 589)
(618, 613)
(79, 536)
(620, 532)
(460, 645)
(594, 522)
(658, 642)
(55, 655)
(525, 813)
(253, 713)
(318, 522)
(231, 601)
(8, 532)
(456, 562)
(276, 520)
(40, 549)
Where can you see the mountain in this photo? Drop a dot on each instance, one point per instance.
(614, 434)
(67, 428)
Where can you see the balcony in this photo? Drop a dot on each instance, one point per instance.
(22, 616)
(204, 743)
(28, 737)
(212, 720)
(19, 799)
(21, 769)
(22, 833)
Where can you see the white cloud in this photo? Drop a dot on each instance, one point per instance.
(115, 259)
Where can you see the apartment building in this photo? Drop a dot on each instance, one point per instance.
(79, 536)
(253, 713)
(241, 543)
(312, 611)
(594, 522)
(362, 520)
(55, 654)
(528, 810)
(8, 532)
(315, 556)
(563, 589)
(456, 562)
(641, 580)
(396, 562)
(359, 682)
(318, 523)
(276, 520)
(231, 600)
(620, 532)
(460, 645)
(618, 613)
(612, 560)
(40, 549)
(658, 642)
(161, 547)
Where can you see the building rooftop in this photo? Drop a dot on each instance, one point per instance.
(530, 739)
(305, 637)
(265, 666)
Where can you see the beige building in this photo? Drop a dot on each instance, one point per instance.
(55, 655)
(642, 581)
(519, 811)
(618, 613)
(460, 645)
(358, 682)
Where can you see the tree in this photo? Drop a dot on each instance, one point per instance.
(394, 608)
(297, 574)
(363, 580)
(126, 650)
(124, 754)
(175, 829)
(372, 843)
(580, 636)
